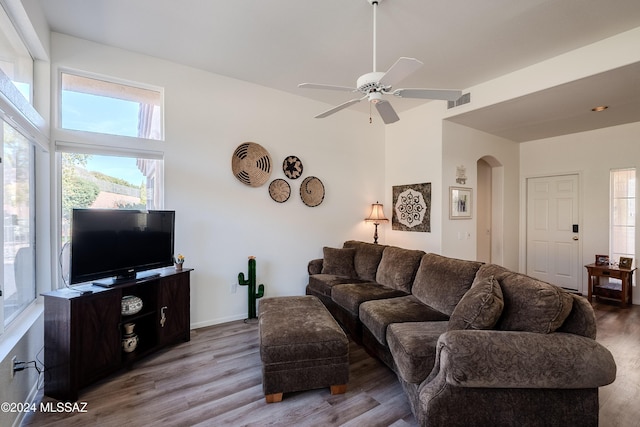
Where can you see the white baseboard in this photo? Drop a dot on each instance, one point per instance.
(218, 321)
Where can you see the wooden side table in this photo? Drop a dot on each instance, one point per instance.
(620, 292)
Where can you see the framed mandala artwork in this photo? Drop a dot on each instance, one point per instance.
(412, 207)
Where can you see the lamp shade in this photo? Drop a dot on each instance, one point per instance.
(377, 214)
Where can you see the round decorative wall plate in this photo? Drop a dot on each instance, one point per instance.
(279, 190)
(292, 167)
(251, 164)
(312, 191)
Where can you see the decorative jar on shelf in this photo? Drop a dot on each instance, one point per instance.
(129, 339)
(131, 304)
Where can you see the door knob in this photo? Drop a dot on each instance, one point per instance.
(575, 238)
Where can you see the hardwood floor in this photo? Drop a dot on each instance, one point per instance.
(619, 331)
(215, 380)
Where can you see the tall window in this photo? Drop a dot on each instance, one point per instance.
(17, 152)
(623, 213)
(99, 171)
(19, 286)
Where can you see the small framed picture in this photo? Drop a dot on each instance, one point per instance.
(625, 263)
(460, 203)
(602, 259)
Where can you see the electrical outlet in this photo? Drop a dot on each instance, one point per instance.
(13, 365)
(233, 288)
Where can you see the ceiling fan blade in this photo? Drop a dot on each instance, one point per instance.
(400, 70)
(328, 87)
(387, 112)
(338, 108)
(444, 94)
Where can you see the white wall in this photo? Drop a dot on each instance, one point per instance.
(422, 147)
(464, 146)
(592, 154)
(413, 155)
(27, 334)
(220, 221)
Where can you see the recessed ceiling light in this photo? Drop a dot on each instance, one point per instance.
(599, 108)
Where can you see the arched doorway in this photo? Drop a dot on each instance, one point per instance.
(489, 208)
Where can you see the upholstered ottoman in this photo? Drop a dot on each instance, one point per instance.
(302, 347)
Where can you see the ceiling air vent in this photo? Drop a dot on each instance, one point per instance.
(464, 99)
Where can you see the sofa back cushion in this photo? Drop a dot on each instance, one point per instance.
(397, 268)
(338, 262)
(441, 282)
(366, 259)
(532, 305)
(480, 307)
(581, 320)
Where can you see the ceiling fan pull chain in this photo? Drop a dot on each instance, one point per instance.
(370, 120)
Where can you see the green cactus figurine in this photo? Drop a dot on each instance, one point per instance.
(251, 282)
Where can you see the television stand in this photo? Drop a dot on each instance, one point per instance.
(83, 333)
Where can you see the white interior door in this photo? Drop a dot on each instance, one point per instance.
(552, 241)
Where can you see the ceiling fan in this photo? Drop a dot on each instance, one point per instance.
(376, 84)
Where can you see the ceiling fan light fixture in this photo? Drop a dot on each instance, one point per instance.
(599, 108)
(375, 97)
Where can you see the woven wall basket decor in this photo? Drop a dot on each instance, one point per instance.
(292, 167)
(312, 191)
(279, 190)
(251, 164)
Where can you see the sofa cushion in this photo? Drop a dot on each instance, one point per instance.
(413, 346)
(397, 267)
(532, 305)
(321, 284)
(349, 296)
(366, 259)
(496, 271)
(338, 262)
(441, 281)
(315, 266)
(480, 307)
(581, 320)
(377, 315)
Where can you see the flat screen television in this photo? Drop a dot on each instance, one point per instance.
(116, 244)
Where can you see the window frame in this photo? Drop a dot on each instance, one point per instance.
(17, 112)
(21, 57)
(89, 136)
(634, 227)
(30, 150)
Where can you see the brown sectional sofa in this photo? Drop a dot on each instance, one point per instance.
(471, 343)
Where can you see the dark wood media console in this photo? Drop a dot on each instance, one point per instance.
(83, 328)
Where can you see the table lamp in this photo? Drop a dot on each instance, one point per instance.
(376, 217)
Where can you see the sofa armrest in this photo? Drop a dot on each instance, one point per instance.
(315, 266)
(506, 359)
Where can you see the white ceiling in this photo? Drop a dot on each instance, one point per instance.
(280, 43)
